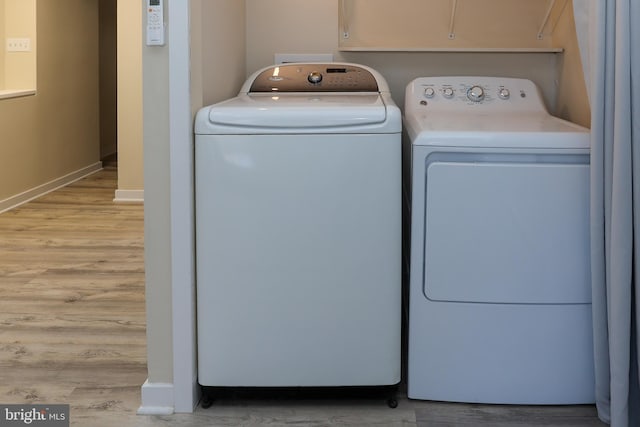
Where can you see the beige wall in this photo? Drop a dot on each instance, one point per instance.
(108, 78)
(223, 64)
(55, 132)
(573, 103)
(20, 21)
(130, 157)
(289, 26)
(2, 49)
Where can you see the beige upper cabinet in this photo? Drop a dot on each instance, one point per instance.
(450, 25)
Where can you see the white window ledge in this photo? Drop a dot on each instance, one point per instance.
(15, 93)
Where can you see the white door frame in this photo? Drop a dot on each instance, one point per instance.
(185, 381)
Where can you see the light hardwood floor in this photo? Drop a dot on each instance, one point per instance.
(72, 330)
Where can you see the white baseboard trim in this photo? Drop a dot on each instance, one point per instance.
(157, 399)
(24, 197)
(129, 196)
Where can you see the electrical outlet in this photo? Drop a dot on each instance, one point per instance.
(284, 58)
(18, 45)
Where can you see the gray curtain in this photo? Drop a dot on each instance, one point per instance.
(612, 46)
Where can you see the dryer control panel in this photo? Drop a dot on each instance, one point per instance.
(469, 92)
(315, 78)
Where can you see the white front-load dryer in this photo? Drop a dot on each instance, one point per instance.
(500, 296)
(298, 229)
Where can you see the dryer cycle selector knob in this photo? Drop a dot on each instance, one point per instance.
(315, 77)
(475, 94)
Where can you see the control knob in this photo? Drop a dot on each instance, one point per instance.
(429, 92)
(504, 93)
(475, 94)
(314, 77)
(447, 92)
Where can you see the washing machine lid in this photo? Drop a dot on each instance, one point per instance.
(300, 110)
(300, 113)
(506, 130)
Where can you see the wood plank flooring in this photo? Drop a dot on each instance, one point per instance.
(72, 330)
(72, 309)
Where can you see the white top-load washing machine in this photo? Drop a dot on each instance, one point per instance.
(298, 228)
(500, 296)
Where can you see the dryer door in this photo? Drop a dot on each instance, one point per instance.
(507, 229)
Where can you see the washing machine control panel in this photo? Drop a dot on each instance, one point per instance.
(464, 92)
(315, 78)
